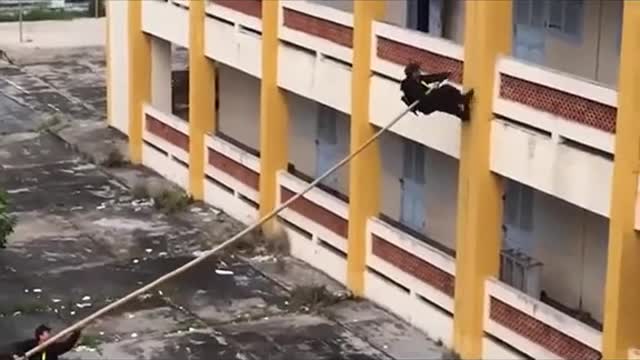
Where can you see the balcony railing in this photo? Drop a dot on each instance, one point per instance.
(535, 328)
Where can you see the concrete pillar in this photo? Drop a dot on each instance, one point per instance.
(479, 237)
(622, 291)
(202, 115)
(274, 117)
(139, 78)
(364, 169)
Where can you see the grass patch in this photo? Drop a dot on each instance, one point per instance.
(257, 242)
(7, 221)
(90, 341)
(140, 191)
(42, 13)
(171, 201)
(53, 121)
(114, 159)
(310, 298)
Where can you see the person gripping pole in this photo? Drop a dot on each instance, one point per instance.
(42, 334)
(433, 93)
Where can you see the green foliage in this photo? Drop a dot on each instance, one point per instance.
(7, 222)
(172, 201)
(42, 13)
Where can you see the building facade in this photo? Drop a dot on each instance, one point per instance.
(512, 236)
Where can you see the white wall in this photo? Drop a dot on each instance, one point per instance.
(239, 113)
(303, 122)
(166, 21)
(441, 175)
(572, 245)
(161, 86)
(119, 63)
(344, 5)
(596, 55)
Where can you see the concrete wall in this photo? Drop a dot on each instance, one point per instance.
(572, 245)
(303, 123)
(344, 5)
(119, 62)
(396, 13)
(239, 113)
(596, 55)
(441, 175)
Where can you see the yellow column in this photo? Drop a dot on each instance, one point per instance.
(487, 34)
(107, 57)
(364, 169)
(201, 97)
(622, 290)
(139, 78)
(274, 120)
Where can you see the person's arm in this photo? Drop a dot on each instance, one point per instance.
(64, 346)
(432, 78)
(20, 348)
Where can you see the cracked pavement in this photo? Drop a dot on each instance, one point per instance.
(82, 241)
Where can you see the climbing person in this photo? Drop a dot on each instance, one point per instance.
(53, 351)
(433, 93)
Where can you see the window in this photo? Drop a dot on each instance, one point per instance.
(519, 206)
(412, 211)
(565, 17)
(530, 13)
(327, 125)
(413, 162)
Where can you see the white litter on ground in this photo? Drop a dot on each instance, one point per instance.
(224, 272)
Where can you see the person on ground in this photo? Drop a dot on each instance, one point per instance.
(433, 93)
(53, 351)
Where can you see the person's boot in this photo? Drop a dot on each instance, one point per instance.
(466, 106)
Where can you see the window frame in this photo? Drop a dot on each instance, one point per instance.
(514, 195)
(561, 31)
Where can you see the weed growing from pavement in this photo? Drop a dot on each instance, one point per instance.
(171, 201)
(90, 341)
(114, 159)
(311, 298)
(140, 191)
(50, 123)
(450, 355)
(7, 221)
(24, 308)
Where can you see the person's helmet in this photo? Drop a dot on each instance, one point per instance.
(41, 330)
(411, 68)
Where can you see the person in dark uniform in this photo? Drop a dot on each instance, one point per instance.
(433, 94)
(42, 334)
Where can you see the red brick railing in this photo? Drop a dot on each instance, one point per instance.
(234, 169)
(248, 7)
(413, 265)
(512, 315)
(316, 26)
(400, 46)
(162, 130)
(560, 95)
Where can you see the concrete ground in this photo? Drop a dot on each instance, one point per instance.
(83, 240)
